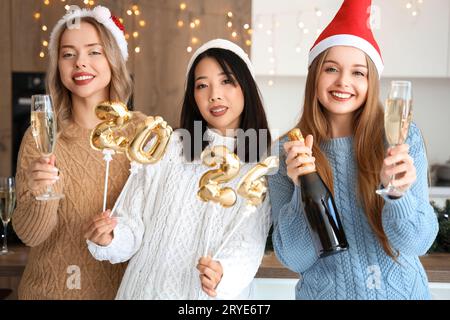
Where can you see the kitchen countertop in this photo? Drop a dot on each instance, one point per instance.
(437, 265)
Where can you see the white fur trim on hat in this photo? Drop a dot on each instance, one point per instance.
(99, 13)
(350, 41)
(222, 44)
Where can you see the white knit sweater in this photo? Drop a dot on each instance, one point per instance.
(162, 230)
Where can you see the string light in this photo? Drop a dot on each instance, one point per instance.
(238, 29)
(414, 7)
(133, 11)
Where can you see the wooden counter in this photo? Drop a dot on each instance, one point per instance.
(437, 266)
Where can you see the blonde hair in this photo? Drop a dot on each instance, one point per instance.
(368, 127)
(120, 86)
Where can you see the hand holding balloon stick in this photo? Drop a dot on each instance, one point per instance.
(209, 184)
(253, 187)
(109, 137)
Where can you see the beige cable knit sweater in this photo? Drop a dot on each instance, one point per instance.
(59, 264)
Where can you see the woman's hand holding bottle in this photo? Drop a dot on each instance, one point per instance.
(299, 159)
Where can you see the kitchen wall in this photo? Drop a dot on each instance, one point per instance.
(158, 70)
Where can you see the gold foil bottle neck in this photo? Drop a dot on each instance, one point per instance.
(296, 135)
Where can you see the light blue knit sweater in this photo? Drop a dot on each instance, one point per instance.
(364, 271)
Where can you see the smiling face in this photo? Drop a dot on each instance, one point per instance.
(219, 97)
(343, 80)
(83, 66)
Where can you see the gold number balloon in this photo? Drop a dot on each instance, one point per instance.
(253, 185)
(106, 135)
(156, 131)
(209, 184)
(109, 134)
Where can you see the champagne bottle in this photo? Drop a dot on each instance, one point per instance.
(321, 212)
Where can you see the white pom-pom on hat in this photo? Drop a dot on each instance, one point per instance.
(101, 14)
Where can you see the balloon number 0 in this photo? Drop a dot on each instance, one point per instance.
(156, 131)
(116, 118)
(209, 184)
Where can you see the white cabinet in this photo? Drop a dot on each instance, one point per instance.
(411, 46)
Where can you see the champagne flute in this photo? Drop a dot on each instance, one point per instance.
(43, 128)
(397, 119)
(7, 203)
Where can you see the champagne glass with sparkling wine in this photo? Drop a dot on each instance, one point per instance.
(7, 202)
(43, 128)
(397, 119)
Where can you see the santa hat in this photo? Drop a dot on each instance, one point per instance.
(221, 44)
(350, 27)
(100, 14)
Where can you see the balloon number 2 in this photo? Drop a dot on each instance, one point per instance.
(210, 189)
(252, 186)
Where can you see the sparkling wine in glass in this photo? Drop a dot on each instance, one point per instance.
(397, 119)
(7, 204)
(43, 128)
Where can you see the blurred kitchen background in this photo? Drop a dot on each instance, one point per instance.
(414, 36)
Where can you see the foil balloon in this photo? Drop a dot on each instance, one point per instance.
(150, 141)
(108, 134)
(253, 185)
(209, 184)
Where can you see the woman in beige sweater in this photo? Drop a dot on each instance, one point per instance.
(87, 66)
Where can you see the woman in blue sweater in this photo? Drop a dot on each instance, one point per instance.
(343, 115)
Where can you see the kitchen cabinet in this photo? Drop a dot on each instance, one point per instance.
(412, 47)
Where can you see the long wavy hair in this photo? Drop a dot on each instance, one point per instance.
(368, 143)
(120, 87)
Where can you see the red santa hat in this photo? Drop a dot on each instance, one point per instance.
(350, 27)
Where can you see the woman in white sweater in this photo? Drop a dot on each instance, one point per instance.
(161, 227)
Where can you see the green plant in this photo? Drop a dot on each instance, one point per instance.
(442, 241)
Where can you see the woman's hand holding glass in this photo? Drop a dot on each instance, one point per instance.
(42, 173)
(400, 164)
(44, 131)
